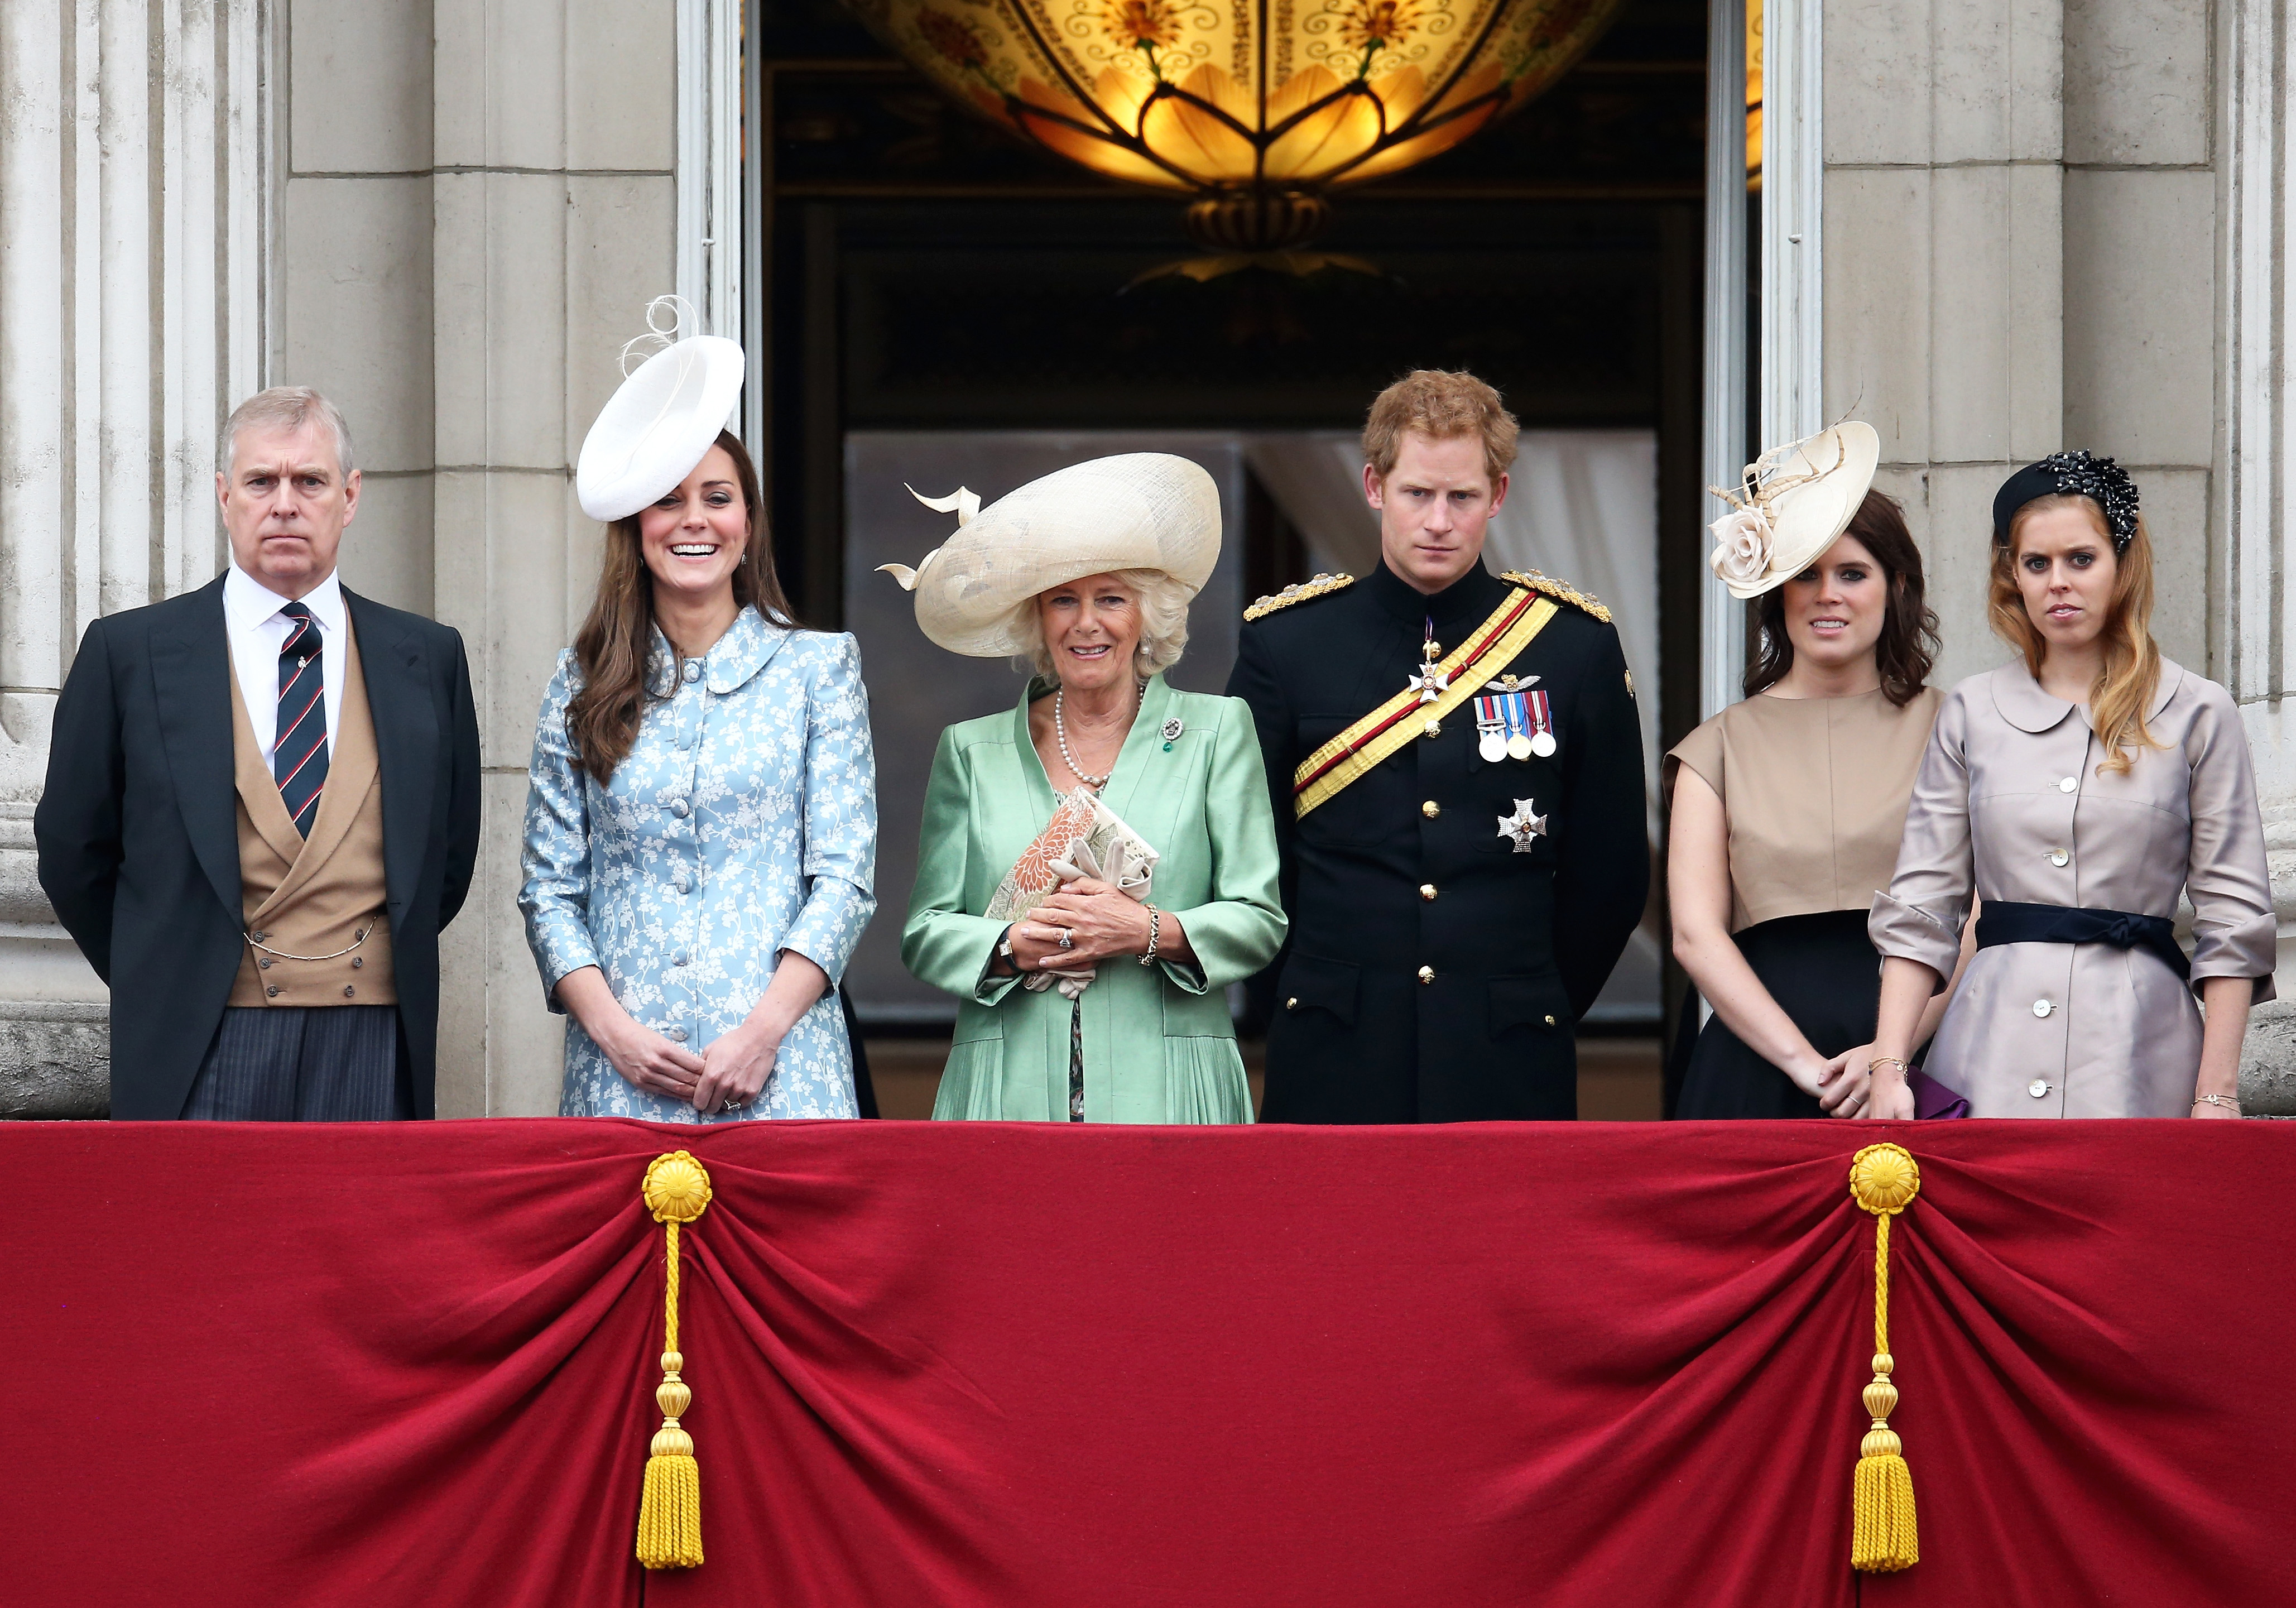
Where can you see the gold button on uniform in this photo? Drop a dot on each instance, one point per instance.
(1427, 891)
(1550, 1022)
(1434, 728)
(1430, 809)
(1427, 975)
(1291, 1004)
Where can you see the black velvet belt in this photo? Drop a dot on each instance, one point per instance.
(2004, 923)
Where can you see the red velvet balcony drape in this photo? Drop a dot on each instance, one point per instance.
(1045, 1367)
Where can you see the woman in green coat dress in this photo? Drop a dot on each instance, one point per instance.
(1088, 572)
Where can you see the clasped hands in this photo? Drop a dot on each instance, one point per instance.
(1847, 1086)
(1101, 923)
(726, 1075)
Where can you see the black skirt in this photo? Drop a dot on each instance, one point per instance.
(1827, 975)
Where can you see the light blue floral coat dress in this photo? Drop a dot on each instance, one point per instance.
(743, 823)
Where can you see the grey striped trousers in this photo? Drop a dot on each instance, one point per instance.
(301, 1063)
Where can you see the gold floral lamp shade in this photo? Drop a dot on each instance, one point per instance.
(1255, 106)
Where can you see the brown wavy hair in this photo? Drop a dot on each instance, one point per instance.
(602, 719)
(2131, 675)
(1907, 647)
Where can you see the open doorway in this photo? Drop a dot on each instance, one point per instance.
(935, 304)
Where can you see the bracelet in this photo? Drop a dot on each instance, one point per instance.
(2229, 1102)
(1155, 931)
(1887, 1061)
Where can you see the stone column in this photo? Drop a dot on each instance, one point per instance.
(2252, 579)
(1944, 249)
(133, 155)
(482, 199)
(556, 223)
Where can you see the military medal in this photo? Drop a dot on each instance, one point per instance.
(1522, 826)
(1490, 729)
(1542, 726)
(1506, 726)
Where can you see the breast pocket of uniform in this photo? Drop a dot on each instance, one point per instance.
(1311, 983)
(1359, 813)
(1534, 1005)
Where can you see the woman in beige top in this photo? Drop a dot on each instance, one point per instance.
(1786, 811)
(2078, 792)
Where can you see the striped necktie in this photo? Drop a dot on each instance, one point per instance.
(299, 756)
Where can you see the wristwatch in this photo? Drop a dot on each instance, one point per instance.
(1004, 944)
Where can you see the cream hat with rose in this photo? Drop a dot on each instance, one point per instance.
(1794, 504)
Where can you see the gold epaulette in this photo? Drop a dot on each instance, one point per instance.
(1561, 590)
(1300, 591)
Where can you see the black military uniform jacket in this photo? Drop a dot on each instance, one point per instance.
(1434, 973)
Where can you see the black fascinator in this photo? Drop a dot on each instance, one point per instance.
(2101, 481)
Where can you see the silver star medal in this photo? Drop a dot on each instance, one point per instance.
(1431, 683)
(1522, 826)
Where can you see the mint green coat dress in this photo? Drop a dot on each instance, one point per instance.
(1159, 1045)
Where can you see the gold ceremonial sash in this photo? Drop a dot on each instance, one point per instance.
(1386, 729)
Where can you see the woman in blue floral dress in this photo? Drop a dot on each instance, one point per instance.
(701, 824)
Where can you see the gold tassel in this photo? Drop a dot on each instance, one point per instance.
(1883, 1179)
(669, 1513)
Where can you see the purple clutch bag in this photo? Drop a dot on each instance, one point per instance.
(1932, 1099)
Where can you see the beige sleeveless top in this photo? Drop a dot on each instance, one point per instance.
(1816, 790)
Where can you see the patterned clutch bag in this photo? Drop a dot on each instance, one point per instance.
(1084, 838)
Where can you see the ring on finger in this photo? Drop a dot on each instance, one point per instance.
(1067, 939)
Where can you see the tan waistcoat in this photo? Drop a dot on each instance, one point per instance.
(316, 895)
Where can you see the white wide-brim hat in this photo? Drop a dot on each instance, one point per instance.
(1794, 504)
(658, 425)
(1135, 511)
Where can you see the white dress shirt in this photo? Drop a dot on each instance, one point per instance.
(258, 630)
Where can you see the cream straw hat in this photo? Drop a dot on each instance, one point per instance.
(1794, 504)
(1135, 510)
(662, 419)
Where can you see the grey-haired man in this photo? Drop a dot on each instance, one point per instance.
(262, 805)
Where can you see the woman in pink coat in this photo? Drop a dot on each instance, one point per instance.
(2078, 793)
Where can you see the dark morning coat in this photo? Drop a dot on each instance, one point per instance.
(1518, 944)
(138, 830)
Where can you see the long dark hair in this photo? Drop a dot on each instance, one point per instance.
(602, 720)
(1908, 644)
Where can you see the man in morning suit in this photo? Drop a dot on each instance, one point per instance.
(262, 805)
(1457, 775)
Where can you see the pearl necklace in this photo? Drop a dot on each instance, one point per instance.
(1061, 734)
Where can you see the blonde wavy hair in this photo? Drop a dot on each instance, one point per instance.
(1163, 624)
(2131, 675)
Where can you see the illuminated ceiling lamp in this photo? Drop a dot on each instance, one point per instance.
(1255, 107)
